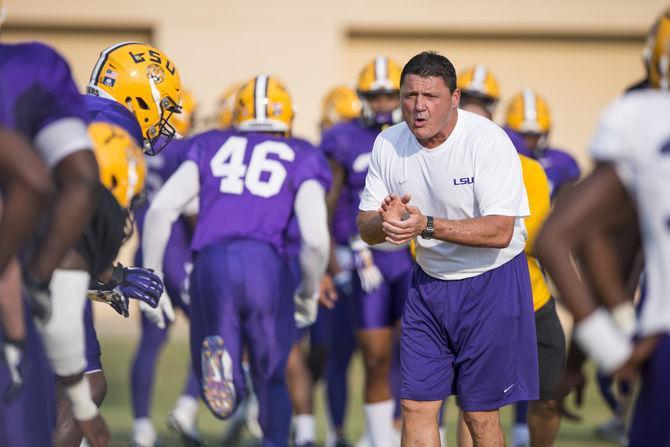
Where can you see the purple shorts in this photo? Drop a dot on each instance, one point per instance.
(383, 307)
(473, 337)
(241, 291)
(651, 422)
(29, 419)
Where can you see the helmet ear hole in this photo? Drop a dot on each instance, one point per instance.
(115, 182)
(143, 105)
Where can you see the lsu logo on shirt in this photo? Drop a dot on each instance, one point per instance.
(464, 181)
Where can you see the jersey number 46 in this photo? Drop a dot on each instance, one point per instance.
(228, 162)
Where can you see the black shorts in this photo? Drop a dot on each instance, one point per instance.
(550, 349)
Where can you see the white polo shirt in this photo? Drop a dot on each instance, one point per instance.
(634, 134)
(475, 173)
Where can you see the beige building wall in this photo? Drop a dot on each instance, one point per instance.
(578, 53)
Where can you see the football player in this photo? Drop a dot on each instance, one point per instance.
(255, 178)
(341, 104)
(122, 173)
(528, 115)
(225, 107)
(383, 271)
(135, 87)
(26, 186)
(479, 94)
(304, 369)
(632, 146)
(40, 101)
(176, 266)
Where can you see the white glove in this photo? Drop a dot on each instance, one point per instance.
(370, 276)
(162, 311)
(306, 309)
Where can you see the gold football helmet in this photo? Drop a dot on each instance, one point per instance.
(263, 105)
(182, 122)
(121, 163)
(381, 76)
(340, 104)
(479, 81)
(224, 109)
(528, 113)
(145, 80)
(656, 53)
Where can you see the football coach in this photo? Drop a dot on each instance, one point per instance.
(452, 180)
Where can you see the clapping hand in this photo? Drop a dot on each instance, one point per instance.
(401, 222)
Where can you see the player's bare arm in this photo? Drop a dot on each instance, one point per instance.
(584, 209)
(27, 185)
(77, 180)
(334, 192)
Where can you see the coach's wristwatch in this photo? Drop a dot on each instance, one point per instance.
(430, 228)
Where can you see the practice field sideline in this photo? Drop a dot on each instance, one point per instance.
(117, 351)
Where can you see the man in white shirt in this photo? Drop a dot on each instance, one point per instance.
(454, 179)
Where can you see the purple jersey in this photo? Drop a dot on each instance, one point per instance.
(248, 184)
(36, 89)
(559, 166)
(159, 168)
(350, 144)
(107, 110)
(292, 235)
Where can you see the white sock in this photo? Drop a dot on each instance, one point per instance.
(443, 435)
(379, 422)
(144, 432)
(520, 435)
(305, 428)
(186, 410)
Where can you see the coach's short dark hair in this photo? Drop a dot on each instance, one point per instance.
(430, 63)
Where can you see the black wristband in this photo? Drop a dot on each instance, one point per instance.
(117, 279)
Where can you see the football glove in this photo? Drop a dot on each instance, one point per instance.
(343, 282)
(136, 283)
(158, 314)
(306, 309)
(38, 296)
(13, 355)
(370, 276)
(112, 297)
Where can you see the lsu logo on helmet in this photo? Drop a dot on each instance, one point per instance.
(479, 81)
(341, 103)
(145, 80)
(263, 105)
(528, 113)
(656, 53)
(182, 122)
(121, 163)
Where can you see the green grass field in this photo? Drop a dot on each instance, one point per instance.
(118, 349)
